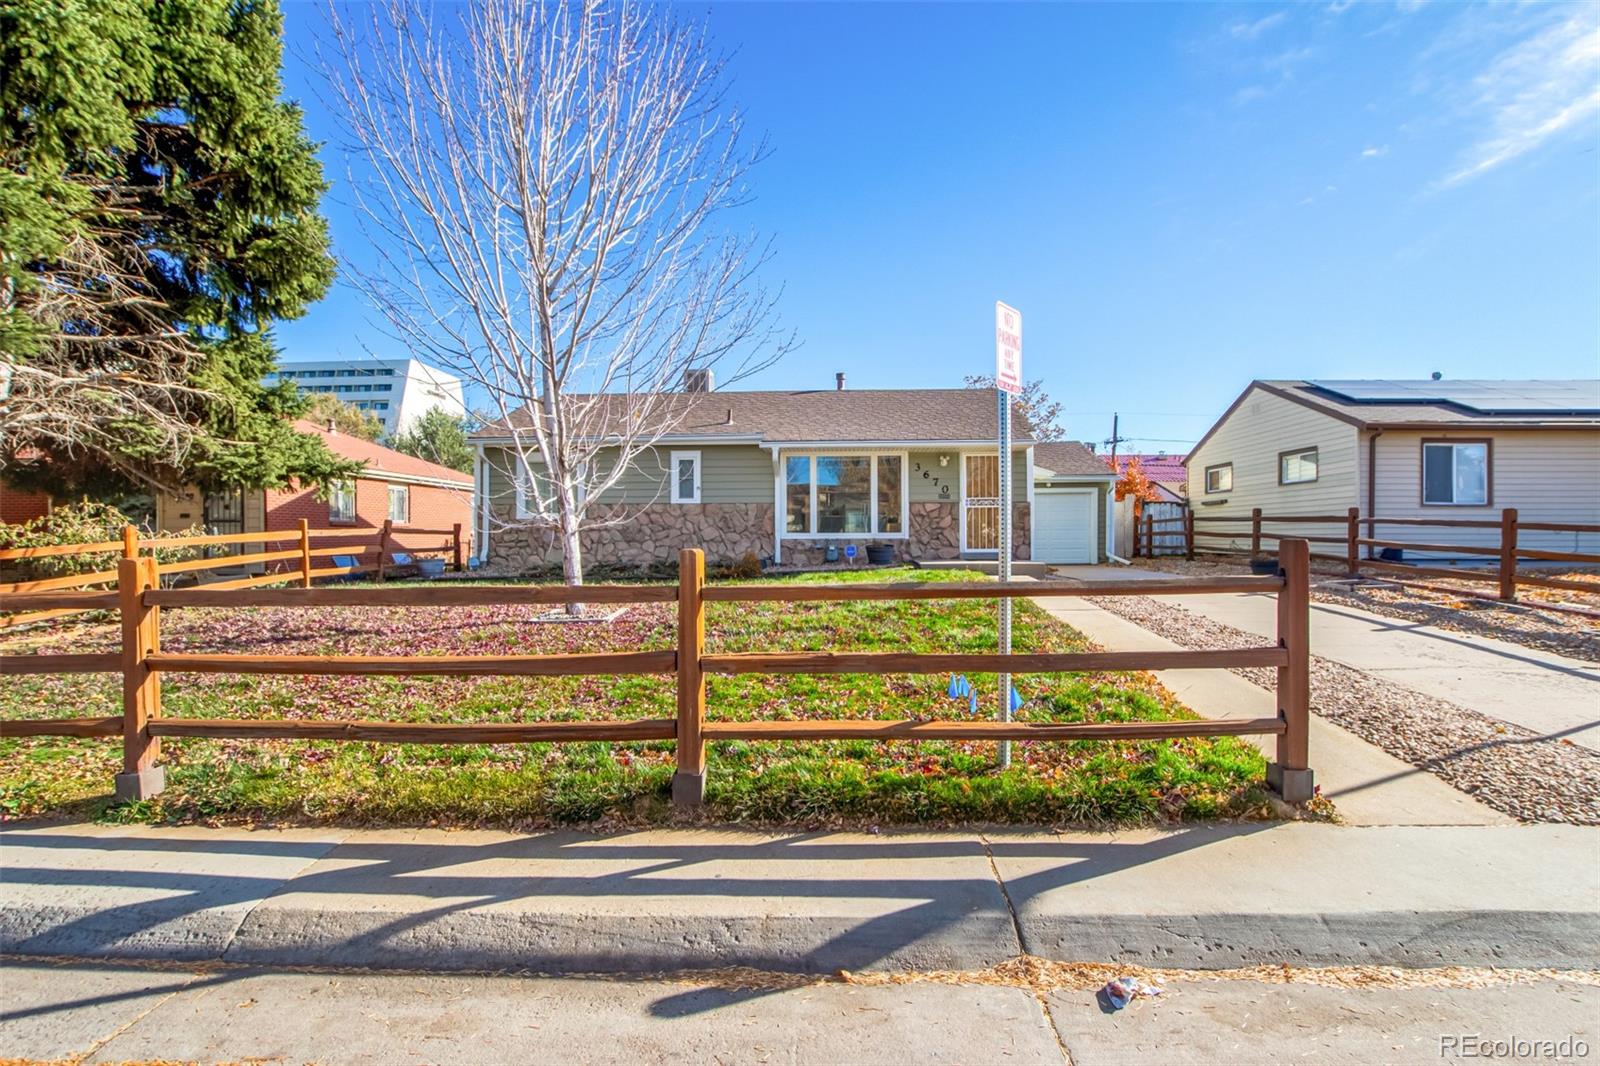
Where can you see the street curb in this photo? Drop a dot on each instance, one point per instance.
(818, 944)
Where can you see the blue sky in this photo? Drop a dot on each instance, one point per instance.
(1179, 198)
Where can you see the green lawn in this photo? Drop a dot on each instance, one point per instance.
(526, 785)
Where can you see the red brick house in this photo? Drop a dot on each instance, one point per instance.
(17, 506)
(393, 486)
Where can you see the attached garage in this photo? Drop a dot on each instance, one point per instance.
(1065, 525)
(1071, 503)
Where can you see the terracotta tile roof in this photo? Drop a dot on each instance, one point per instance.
(1069, 458)
(826, 415)
(1162, 469)
(381, 460)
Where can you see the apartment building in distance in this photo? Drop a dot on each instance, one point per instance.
(396, 391)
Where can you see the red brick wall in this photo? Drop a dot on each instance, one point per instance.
(431, 508)
(18, 507)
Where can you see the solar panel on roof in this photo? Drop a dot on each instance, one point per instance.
(1486, 397)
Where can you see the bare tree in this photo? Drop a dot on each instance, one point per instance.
(546, 185)
(106, 365)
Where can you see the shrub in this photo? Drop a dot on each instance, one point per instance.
(86, 522)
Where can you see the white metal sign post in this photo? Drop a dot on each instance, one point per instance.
(1007, 380)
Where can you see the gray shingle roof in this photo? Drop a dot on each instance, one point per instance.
(1069, 458)
(828, 415)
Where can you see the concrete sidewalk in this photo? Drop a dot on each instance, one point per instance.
(1212, 896)
(1539, 690)
(109, 1012)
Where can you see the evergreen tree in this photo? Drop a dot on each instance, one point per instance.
(158, 212)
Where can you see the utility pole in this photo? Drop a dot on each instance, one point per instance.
(1116, 439)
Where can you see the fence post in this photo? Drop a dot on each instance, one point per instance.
(689, 783)
(130, 542)
(1290, 775)
(305, 554)
(1150, 534)
(1255, 532)
(141, 778)
(1352, 552)
(383, 546)
(1138, 515)
(1508, 554)
(1188, 533)
(455, 545)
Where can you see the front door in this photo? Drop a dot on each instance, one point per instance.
(980, 502)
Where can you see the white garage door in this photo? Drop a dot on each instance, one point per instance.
(1064, 527)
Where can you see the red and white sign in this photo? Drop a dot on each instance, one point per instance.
(1007, 348)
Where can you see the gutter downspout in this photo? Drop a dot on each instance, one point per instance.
(1372, 486)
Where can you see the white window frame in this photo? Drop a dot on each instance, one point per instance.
(1316, 460)
(676, 458)
(811, 456)
(338, 488)
(1455, 447)
(405, 491)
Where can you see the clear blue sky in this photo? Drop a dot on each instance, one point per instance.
(1179, 198)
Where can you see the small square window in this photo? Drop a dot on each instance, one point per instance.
(1455, 473)
(1219, 478)
(1297, 467)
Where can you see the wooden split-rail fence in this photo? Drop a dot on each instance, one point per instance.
(301, 563)
(142, 664)
(1351, 539)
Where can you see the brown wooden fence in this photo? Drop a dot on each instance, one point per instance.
(1356, 551)
(142, 663)
(297, 563)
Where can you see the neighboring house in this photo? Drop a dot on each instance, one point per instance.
(1072, 503)
(1165, 472)
(395, 391)
(1409, 449)
(394, 486)
(787, 476)
(18, 506)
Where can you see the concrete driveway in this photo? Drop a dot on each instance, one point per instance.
(1554, 696)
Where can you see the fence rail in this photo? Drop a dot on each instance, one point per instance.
(1359, 550)
(26, 602)
(142, 664)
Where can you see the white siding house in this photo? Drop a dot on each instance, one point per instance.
(1410, 449)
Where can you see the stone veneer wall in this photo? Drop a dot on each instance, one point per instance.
(654, 533)
(725, 531)
(935, 534)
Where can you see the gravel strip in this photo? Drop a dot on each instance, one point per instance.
(1522, 623)
(1508, 767)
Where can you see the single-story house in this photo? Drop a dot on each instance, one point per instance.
(1165, 472)
(394, 486)
(1408, 449)
(787, 476)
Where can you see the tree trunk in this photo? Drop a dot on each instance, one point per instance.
(571, 548)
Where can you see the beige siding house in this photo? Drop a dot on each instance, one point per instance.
(1407, 449)
(793, 478)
